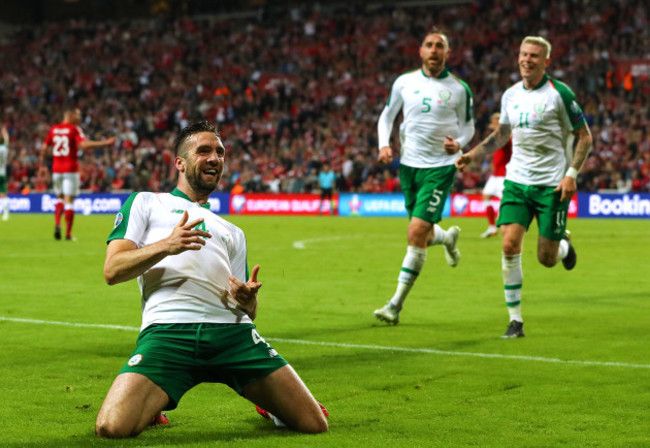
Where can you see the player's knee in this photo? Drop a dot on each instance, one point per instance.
(112, 429)
(314, 424)
(547, 259)
(510, 247)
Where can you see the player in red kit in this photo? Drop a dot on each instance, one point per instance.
(494, 185)
(66, 140)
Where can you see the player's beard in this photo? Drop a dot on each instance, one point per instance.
(435, 66)
(198, 183)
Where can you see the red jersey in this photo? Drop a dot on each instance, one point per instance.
(65, 139)
(501, 158)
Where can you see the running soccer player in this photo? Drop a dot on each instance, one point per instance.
(543, 116)
(66, 140)
(437, 109)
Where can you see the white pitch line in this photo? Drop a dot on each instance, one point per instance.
(368, 347)
(68, 324)
(300, 244)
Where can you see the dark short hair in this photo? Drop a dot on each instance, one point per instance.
(188, 131)
(437, 30)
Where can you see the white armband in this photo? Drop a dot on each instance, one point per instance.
(572, 172)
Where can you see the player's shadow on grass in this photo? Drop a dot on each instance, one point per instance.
(433, 334)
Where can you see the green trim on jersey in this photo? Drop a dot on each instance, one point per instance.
(122, 220)
(443, 74)
(539, 84)
(468, 100)
(390, 95)
(178, 193)
(569, 99)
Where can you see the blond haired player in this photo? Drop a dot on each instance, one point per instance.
(543, 117)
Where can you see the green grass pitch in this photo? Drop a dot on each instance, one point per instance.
(441, 378)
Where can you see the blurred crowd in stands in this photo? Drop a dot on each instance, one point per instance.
(292, 89)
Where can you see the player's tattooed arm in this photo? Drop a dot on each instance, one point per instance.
(497, 139)
(585, 141)
(494, 141)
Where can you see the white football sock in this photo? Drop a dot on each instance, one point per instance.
(512, 282)
(439, 235)
(562, 250)
(411, 267)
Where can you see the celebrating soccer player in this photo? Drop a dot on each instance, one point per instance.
(437, 108)
(198, 304)
(542, 115)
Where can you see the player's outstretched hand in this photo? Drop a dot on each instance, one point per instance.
(451, 146)
(463, 161)
(568, 188)
(185, 236)
(245, 294)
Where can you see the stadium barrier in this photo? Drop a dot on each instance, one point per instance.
(279, 204)
(91, 204)
(583, 205)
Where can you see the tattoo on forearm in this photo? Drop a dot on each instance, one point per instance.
(580, 154)
(495, 140)
(582, 147)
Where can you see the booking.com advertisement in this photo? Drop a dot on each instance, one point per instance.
(91, 204)
(630, 205)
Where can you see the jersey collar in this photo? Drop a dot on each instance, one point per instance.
(180, 194)
(443, 74)
(539, 85)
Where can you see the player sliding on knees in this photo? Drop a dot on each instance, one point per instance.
(198, 304)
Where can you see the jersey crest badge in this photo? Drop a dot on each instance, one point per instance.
(118, 219)
(539, 108)
(135, 360)
(445, 96)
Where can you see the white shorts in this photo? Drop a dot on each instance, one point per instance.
(494, 186)
(66, 183)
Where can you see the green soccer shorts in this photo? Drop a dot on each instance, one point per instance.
(177, 357)
(521, 203)
(426, 190)
(3, 184)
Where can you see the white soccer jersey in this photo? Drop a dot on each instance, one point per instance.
(190, 287)
(542, 121)
(4, 155)
(432, 108)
